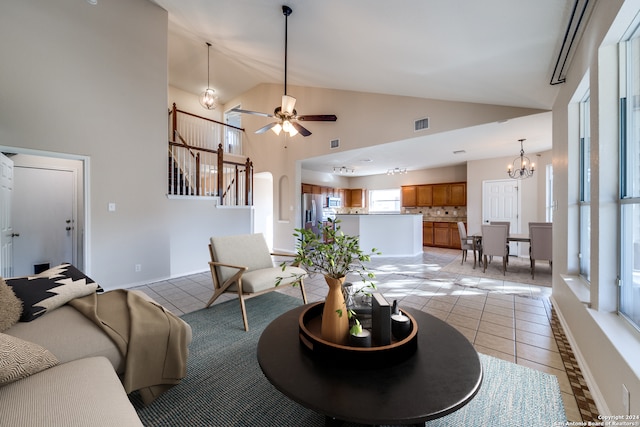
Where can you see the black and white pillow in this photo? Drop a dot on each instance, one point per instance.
(51, 289)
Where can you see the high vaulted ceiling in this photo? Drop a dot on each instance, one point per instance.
(495, 52)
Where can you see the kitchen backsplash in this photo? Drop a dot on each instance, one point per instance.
(427, 212)
(439, 211)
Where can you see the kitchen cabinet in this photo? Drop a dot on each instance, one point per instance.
(409, 198)
(356, 198)
(427, 233)
(424, 195)
(458, 194)
(441, 234)
(440, 195)
(454, 194)
(454, 236)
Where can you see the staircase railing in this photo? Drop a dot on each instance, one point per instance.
(200, 167)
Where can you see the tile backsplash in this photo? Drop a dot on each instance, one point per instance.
(439, 211)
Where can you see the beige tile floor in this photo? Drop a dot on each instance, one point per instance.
(504, 319)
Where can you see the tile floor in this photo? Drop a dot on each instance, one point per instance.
(512, 321)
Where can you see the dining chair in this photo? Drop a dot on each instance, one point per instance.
(541, 246)
(494, 243)
(543, 224)
(466, 243)
(508, 225)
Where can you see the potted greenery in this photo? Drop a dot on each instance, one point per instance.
(334, 255)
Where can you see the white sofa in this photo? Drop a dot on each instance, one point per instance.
(83, 389)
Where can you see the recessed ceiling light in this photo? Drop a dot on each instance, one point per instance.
(92, 2)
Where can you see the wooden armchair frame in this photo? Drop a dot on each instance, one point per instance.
(292, 276)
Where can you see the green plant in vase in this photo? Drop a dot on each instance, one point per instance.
(334, 255)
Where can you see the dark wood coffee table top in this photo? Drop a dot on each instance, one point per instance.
(443, 375)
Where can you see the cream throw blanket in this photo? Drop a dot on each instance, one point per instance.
(152, 340)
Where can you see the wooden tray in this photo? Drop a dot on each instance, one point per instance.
(353, 357)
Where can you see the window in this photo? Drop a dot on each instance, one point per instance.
(233, 135)
(584, 222)
(549, 205)
(384, 201)
(630, 185)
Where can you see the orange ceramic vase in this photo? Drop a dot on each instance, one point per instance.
(335, 327)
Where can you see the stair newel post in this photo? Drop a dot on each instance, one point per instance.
(248, 183)
(174, 123)
(236, 188)
(220, 171)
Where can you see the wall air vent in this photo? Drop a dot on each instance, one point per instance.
(334, 143)
(421, 124)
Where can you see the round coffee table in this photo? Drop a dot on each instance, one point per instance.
(442, 376)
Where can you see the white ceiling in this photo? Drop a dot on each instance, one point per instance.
(495, 52)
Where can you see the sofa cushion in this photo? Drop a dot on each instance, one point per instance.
(82, 393)
(20, 358)
(10, 306)
(50, 289)
(69, 335)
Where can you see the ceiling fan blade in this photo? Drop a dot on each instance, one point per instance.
(317, 118)
(255, 113)
(288, 102)
(301, 129)
(266, 128)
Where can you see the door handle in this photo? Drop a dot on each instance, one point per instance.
(68, 228)
(15, 234)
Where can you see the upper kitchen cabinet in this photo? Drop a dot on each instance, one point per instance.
(454, 194)
(424, 195)
(409, 196)
(417, 195)
(357, 199)
(458, 194)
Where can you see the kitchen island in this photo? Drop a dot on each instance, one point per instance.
(391, 234)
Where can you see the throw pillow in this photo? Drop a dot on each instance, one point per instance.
(10, 307)
(20, 358)
(51, 289)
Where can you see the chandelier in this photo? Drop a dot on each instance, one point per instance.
(518, 168)
(396, 171)
(208, 98)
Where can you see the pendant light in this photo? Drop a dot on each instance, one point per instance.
(521, 166)
(208, 98)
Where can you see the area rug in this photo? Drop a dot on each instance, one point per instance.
(225, 386)
(518, 270)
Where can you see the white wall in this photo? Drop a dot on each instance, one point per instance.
(92, 81)
(605, 345)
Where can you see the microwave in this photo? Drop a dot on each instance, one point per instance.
(334, 202)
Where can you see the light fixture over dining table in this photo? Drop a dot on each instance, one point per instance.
(521, 167)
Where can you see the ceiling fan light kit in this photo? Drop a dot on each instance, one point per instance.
(208, 98)
(286, 115)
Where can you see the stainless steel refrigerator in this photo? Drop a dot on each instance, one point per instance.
(312, 212)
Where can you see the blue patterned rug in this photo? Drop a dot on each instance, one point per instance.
(225, 387)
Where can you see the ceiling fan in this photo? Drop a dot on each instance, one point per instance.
(286, 115)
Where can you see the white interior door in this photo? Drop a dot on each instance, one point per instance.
(501, 202)
(43, 216)
(6, 227)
